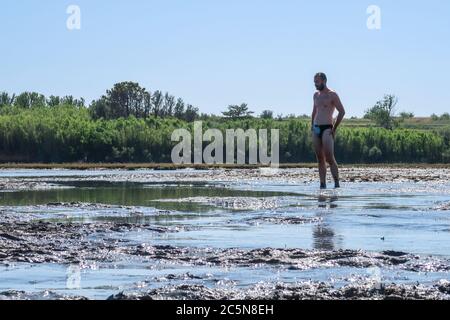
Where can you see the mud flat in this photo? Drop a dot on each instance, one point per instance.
(41, 241)
(292, 176)
(300, 291)
(26, 239)
(275, 291)
(224, 234)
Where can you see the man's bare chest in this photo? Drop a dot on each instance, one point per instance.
(324, 101)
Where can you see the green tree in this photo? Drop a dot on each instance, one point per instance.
(266, 114)
(30, 100)
(191, 113)
(406, 115)
(179, 109)
(123, 100)
(157, 100)
(169, 104)
(375, 154)
(6, 99)
(53, 101)
(238, 112)
(383, 112)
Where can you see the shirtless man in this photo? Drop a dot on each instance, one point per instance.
(326, 101)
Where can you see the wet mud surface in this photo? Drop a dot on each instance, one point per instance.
(304, 175)
(224, 234)
(67, 243)
(303, 291)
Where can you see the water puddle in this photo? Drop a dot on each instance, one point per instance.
(223, 233)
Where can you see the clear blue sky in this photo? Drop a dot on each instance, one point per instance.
(214, 53)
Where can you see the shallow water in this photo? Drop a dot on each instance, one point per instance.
(209, 212)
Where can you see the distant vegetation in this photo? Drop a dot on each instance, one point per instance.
(129, 99)
(383, 113)
(238, 112)
(132, 124)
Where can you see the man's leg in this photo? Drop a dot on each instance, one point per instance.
(328, 149)
(318, 149)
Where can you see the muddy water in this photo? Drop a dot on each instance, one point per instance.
(224, 234)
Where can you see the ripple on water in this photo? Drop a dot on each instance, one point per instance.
(217, 233)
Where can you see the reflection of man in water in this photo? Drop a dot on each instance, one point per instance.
(323, 238)
(328, 202)
(323, 234)
(73, 279)
(326, 102)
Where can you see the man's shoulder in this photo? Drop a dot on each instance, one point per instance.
(332, 93)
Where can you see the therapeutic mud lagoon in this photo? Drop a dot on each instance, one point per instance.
(224, 234)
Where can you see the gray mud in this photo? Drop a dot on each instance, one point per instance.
(272, 291)
(69, 243)
(292, 259)
(283, 220)
(226, 234)
(47, 295)
(64, 242)
(301, 291)
(298, 176)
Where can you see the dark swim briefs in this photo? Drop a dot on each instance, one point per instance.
(319, 130)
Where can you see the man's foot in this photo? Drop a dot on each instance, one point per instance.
(323, 186)
(337, 185)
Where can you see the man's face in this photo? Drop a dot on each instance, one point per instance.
(319, 83)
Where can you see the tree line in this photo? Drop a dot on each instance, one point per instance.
(28, 100)
(132, 124)
(130, 99)
(123, 100)
(69, 134)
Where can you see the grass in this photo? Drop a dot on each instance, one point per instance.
(169, 166)
(420, 123)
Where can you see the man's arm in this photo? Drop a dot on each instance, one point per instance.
(340, 108)
(314, 113)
